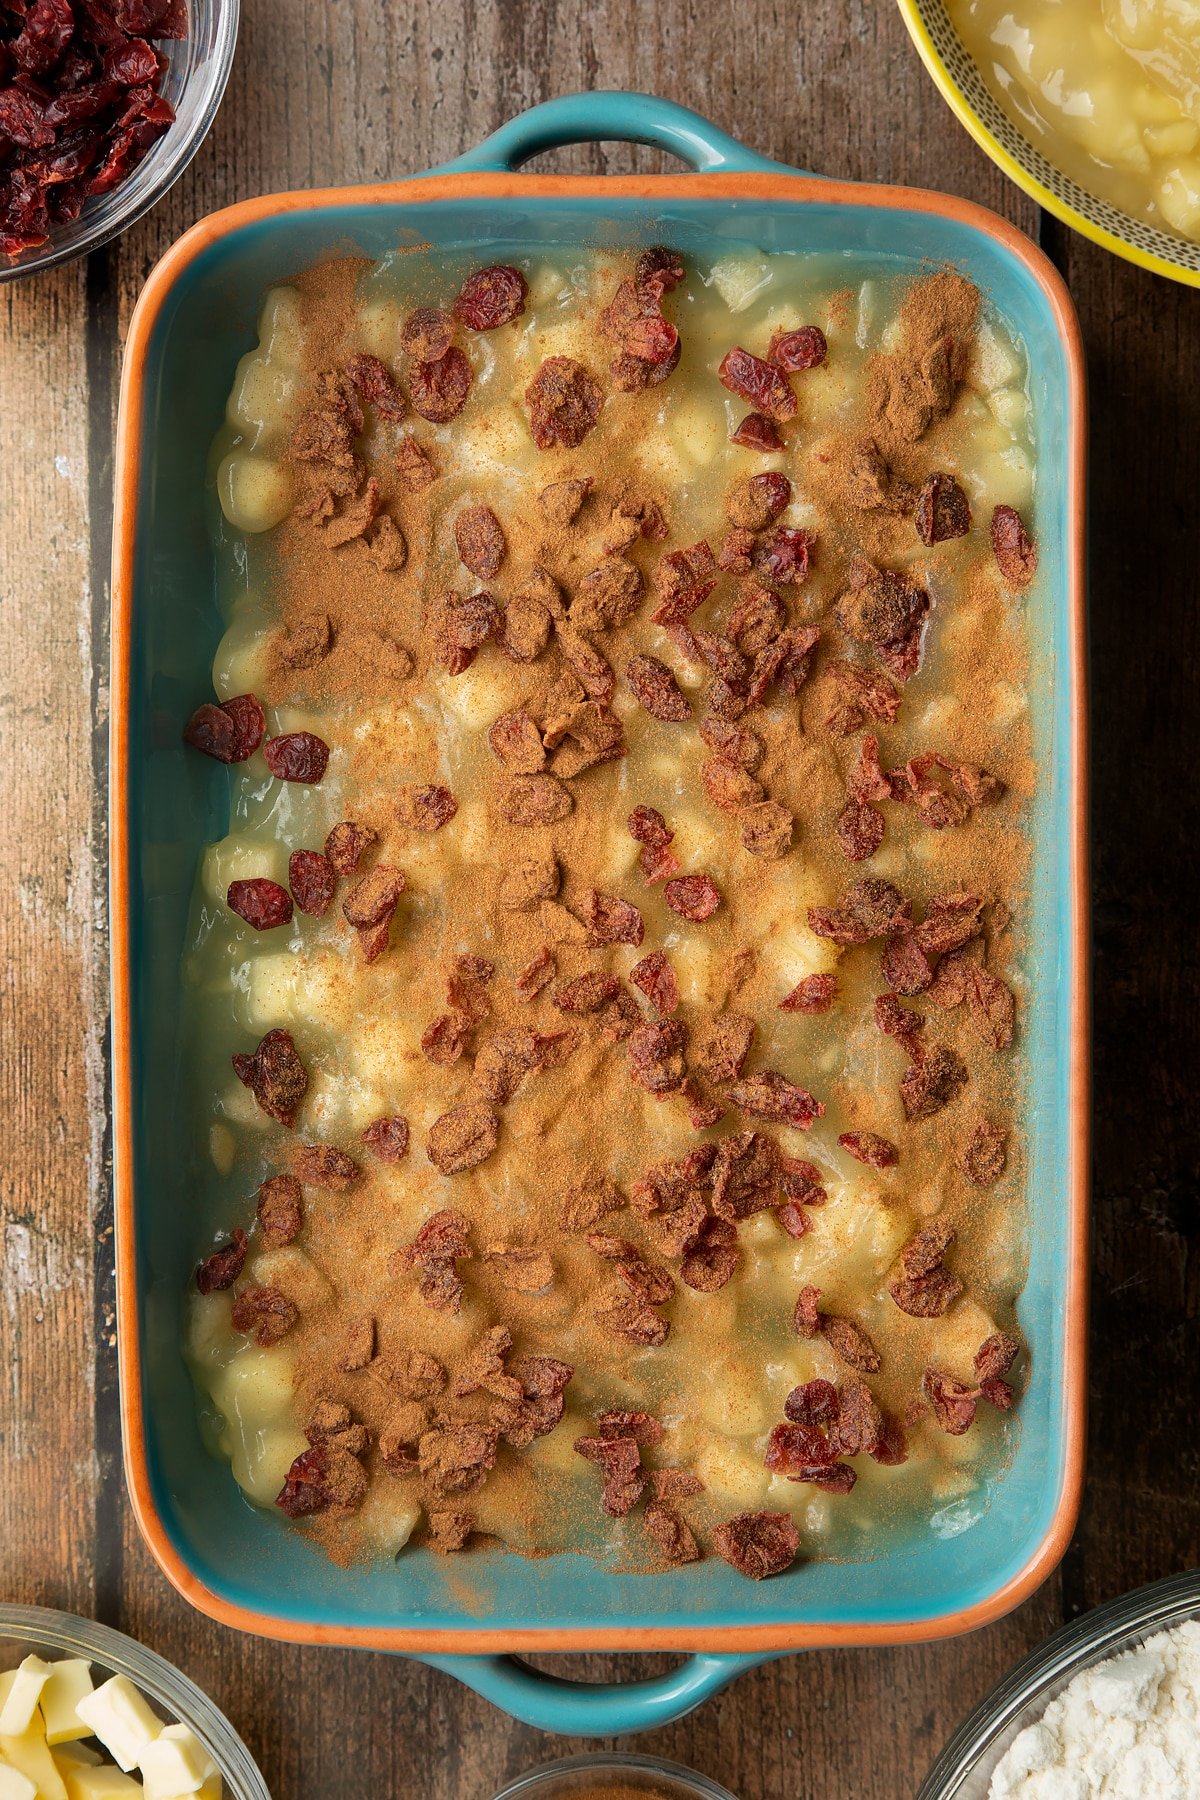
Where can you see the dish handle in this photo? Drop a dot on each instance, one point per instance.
(613, 116)
(586, 1709)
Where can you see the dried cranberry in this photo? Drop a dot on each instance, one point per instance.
(305, 1490)
(612, 920)
(220, 1270)
(491, 297)
(249, 723)
(815, 994)
(463, 1137)
(657, 271)
(647, 826)
(325, 1166)
(230, 732)
(953, 1404)
(899, 1022)
(210, 728)
(620, 1461)
(445, 1039)
(994, 1357)
(280, 1210)
(376, 386)
(982, 1157)
(656, 978)
(771, 1096)
(784, 555)
(993, 1008)
(951, 920)
(262, 903)
(427, 334)
(275, 1076)
(297, 756)
(904, 965)
(638, 328)
(868, 1147)
(693, 897)
(312, 880)
(711, 1258)
(870, 909)
(372, 901)
(656, 689)
(1014, 549)
(426, 808)
(536, 974)
(804, 348)
(387, 1138)
(757, 432)
(263, 1313)
(480, 540)
(758, 1544)
(859, 830)
(933, 1082)
(757, 381)
(813, 1403)
(438, 390)
(806, 1315)
(943, 510)
(795, 1448)
(564, 403)
(656, 1055)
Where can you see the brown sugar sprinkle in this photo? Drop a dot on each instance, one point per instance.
(617, 620)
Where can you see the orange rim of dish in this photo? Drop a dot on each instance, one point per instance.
(471, 1639)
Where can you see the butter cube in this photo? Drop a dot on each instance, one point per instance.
(176, 1763)
(101, 1783)
(29, 1754)
(15, 1786)
(74, 1756)
(70, 1682)
(122, 1719)
(25, 1690)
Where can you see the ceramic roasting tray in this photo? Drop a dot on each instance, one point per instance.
(195, 318)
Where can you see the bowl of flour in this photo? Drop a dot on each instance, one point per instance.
(1107, 1709)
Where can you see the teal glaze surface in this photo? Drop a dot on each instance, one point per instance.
(178, 802)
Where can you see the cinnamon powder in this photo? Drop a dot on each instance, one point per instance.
(383, 692)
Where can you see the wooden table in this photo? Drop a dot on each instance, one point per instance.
(331, 91)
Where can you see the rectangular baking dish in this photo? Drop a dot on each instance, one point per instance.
(194, 319)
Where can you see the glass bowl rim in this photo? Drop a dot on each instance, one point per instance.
(1102, 1632)
(158, 171)
(44, 1628)
(613, 1762)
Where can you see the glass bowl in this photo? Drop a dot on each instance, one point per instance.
(650, 1775)
(964, 1769)
(197, 70)
(26, 1629)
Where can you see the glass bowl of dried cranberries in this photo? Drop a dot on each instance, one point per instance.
(103, 103)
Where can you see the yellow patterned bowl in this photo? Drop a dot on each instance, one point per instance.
(963, 85)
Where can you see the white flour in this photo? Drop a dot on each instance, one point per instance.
(1129, 1729)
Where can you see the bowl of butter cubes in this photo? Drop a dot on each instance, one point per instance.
(88, 1714)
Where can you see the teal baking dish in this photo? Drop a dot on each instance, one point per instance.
(194, 319)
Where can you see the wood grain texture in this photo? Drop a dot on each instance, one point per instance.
(51, 947)
(357, 90)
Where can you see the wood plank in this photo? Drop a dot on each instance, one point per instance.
(51, 949)
(1143, 1516)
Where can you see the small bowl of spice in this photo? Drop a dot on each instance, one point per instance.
(103, 103)
(1110, 1705)
(607, 1776)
